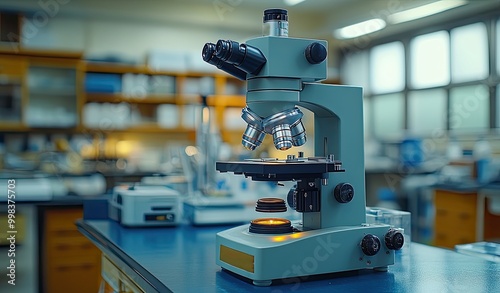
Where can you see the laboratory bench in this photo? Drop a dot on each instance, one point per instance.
(182, 259)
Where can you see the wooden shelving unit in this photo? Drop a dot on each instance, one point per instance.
(120, 98)
(181, 98)
(223, 93)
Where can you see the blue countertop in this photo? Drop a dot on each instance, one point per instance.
(182, 259)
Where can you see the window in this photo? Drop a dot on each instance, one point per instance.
(388, 115)
(434, 83)
(469, 108)
(426, 111)
(430, 60)
(469, 53)
(387, 68)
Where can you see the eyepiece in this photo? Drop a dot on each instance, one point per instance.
(209, 55)
(243, 56)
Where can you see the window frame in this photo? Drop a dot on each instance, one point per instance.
(490, 20)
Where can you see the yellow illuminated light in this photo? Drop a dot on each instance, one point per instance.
(124, 148)
(191, 150)
(278, 238)
(271, 221)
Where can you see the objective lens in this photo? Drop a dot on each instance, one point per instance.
(252, 137)
(254, 133)
(282, 137)
(245, 57)
(298, 133)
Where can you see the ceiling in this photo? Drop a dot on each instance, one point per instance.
(311, 18)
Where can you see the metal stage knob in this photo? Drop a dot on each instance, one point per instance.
(370, 244)
(343, 192)
(394, 239)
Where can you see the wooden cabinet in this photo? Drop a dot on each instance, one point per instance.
(50, 91)
(39, 89)
(53, 93)
(69, 262)
(12, 84)
(462, 217)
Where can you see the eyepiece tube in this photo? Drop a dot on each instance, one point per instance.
(209, 56)
(243, 56)
(275, 23)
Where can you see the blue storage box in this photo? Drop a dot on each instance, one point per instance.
(103, 83)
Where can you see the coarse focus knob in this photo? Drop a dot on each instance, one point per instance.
(290, 199)
(315, 53)
(370, 244)
(343, 192)
(394, 239)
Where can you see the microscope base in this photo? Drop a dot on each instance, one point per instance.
(266, 257)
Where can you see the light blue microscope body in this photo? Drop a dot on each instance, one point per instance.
(333, 235)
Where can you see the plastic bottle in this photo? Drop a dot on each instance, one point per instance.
(454, 150)
(481, 150)
(482, 157)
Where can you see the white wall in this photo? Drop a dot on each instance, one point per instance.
(130, 40)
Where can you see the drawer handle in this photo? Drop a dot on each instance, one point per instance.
(441, 236)
(84, 266)
(67, 246)
(441, 212)
(464, 216)
(65, 232)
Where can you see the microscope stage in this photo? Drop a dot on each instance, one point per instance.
(273, 169)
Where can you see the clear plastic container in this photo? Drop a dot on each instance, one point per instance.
(394, 218)
(486, 250)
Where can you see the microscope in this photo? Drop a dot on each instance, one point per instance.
(282, 75)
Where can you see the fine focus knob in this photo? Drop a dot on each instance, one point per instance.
(315, 53)
(394, 239)
(370, 245)
(343, 192)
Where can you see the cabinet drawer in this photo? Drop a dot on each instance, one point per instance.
(454, 227)
(449, 200)
(73, 275)
(12, 67)
(62, 247)
(62, 221)
(455, 220)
